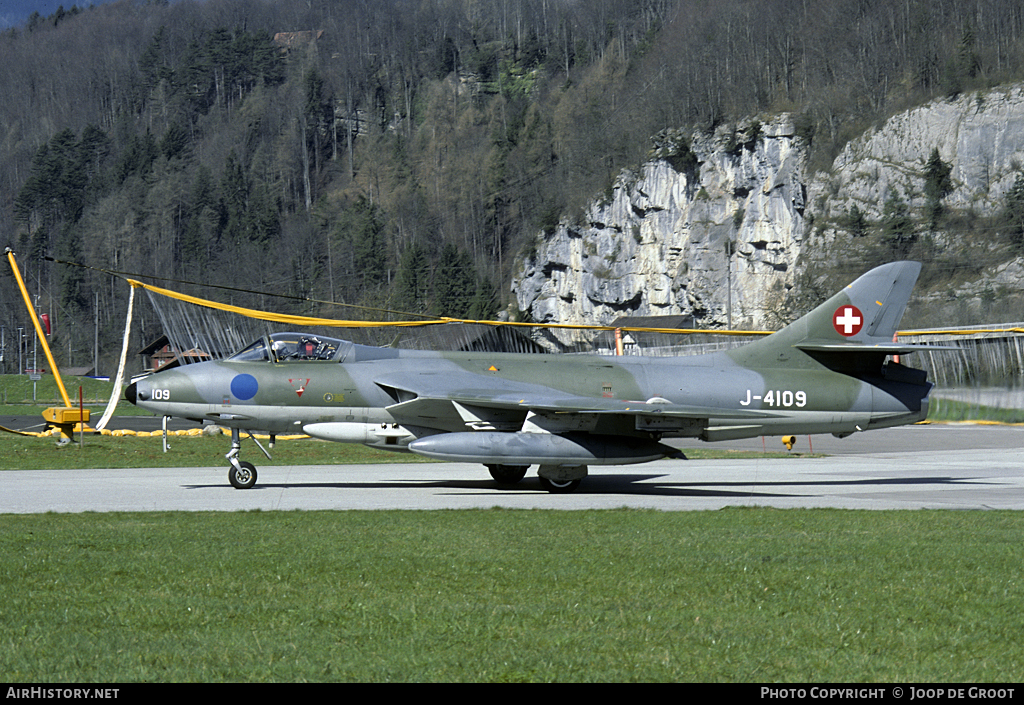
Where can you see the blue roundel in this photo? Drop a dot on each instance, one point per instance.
(244, 387)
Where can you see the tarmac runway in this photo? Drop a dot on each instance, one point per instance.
(948, 466)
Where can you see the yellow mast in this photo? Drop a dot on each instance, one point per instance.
(39, 329)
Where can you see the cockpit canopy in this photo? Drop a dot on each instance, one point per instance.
(293, 347)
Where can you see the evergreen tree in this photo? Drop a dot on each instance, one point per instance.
(963, 65)
(92, 151)
(485, 301)
(1013, 211)
(456, 283)
(65, 173)
(937, 185)
(262, 221)
(137, 157)
(898, 232)
(151, 62)
(412, 282)
(364, 230)
(317, 114)
(174, 141)
(855, 222)
(200, 224)
(73, 297)
(234, 196)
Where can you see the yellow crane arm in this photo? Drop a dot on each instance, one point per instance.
(39, 329)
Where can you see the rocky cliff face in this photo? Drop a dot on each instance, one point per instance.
(659, 243)
(980, 135)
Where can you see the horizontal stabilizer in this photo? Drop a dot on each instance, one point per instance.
(884, 348)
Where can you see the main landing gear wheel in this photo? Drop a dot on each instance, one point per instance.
(243, 477)
(508, 474)
(559, 486)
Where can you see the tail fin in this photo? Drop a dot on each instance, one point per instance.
(864, 314)
(862, 318)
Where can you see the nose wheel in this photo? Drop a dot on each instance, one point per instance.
(242, 474)
(242, 477)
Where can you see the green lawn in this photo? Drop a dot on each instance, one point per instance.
(735, 595)
(19, 396)
(950, 410)
(31, 453)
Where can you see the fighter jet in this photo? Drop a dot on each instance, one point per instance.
(831, 371)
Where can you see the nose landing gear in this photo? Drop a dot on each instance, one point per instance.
(242, 474)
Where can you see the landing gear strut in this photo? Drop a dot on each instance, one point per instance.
(242, 474)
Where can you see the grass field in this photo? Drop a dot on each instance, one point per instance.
(495, 595)
(30, 453)
(950, 410)
(19, 395)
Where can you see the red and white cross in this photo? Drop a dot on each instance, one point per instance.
(848, 320)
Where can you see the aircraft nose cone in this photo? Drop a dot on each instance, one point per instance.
(129, 393)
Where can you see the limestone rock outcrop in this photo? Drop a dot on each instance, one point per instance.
(714, 225)
(660, 244)
(980, 135)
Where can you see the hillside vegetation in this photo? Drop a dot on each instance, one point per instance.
(399, 155)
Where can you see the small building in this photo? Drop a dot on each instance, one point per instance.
(634, 341)
(160, 354)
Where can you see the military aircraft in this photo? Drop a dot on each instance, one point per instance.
(829, 372)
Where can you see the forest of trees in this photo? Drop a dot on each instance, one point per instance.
(396, 154)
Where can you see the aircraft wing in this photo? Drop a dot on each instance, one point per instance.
(582, 405)
(429, 398)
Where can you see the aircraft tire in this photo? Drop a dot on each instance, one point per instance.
(559, 486)
(508, 474)
(244, 479)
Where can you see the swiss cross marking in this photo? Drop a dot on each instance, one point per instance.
(848, 320)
